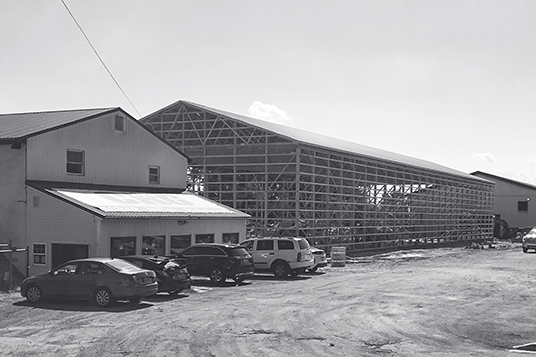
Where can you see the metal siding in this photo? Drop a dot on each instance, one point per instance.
(13, 200)
(55, 221)
(506, 197)
(111, 157)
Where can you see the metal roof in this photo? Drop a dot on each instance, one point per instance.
(318, 140)
(184, 205)
(495, 178)
(22, 125)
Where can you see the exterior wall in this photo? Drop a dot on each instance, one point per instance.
(165, 227)
(13, 200)
(111, 157)
(53, 221)
(507, 195)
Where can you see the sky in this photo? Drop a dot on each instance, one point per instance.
(452, 82)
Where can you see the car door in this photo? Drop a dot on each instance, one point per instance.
(60, 281)
(193, 260)
(263, 253)
(86, 278)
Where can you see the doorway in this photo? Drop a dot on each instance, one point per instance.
(62, 253)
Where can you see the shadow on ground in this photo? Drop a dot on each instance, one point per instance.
(81, 305)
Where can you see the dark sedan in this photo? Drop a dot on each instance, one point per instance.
(172, 275)
(218, 261)
(102, 280)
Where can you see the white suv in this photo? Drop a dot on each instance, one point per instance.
(281, 256)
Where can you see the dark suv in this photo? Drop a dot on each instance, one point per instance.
(218, 261)
(172, 275)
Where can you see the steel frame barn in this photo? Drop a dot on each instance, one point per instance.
(333, 192)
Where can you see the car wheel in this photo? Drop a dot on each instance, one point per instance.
(103, 297)
(34, 294)
(216, 276)
(525, 249)
(280, 269)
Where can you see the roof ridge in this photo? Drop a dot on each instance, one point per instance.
(60, 111)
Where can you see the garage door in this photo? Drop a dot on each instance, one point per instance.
(62, 253)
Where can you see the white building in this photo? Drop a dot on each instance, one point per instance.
(514, 201)
(96, 182)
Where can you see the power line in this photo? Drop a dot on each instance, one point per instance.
(100, 59)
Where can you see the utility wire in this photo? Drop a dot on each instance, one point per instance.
(100, 59)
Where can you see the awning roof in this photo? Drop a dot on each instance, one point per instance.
(147, 205)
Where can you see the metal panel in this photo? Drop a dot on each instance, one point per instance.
(111, 157)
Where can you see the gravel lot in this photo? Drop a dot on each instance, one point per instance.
(435, 302)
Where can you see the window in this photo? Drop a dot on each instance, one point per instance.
(90, 268)
(120, 246)
(153, 245)
(75, 162)
(204, 238)
(285, 245)
(154, 174)
(230, 238)
(267, 244)
(119, 123)
(522, 206)
(179, 242)
(39, 254)
(212, 251)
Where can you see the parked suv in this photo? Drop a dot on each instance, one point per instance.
(281, 256)
(218, 261)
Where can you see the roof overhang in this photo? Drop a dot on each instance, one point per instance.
(140, 205)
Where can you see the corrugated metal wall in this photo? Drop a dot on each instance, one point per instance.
(53, 221)
(111, 157)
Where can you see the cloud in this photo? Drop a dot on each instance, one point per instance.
(485, 157)
(268, 112)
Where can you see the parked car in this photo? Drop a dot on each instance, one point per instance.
(529, 240)
(218, 261)
(102, 280)
(281, 256)
(172, 275)
(320, 259)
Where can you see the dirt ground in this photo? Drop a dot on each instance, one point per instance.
(435, 302)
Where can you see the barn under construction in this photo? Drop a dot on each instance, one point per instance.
(332, 192)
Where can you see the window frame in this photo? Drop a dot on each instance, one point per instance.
(522, 206)
(154, 178)
(123, 241)
(119, 123)
(202, 238)
(174, 238)
(70, 164)
(147, 244)
(39, 254)
(233, 238)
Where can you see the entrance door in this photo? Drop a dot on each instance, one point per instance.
(62, 253)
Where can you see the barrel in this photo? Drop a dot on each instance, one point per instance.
(338, 256)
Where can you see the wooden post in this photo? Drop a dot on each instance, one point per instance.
(10, 284)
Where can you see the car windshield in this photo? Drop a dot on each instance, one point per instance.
(237, 252)
(122, 265)
(304, 244)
